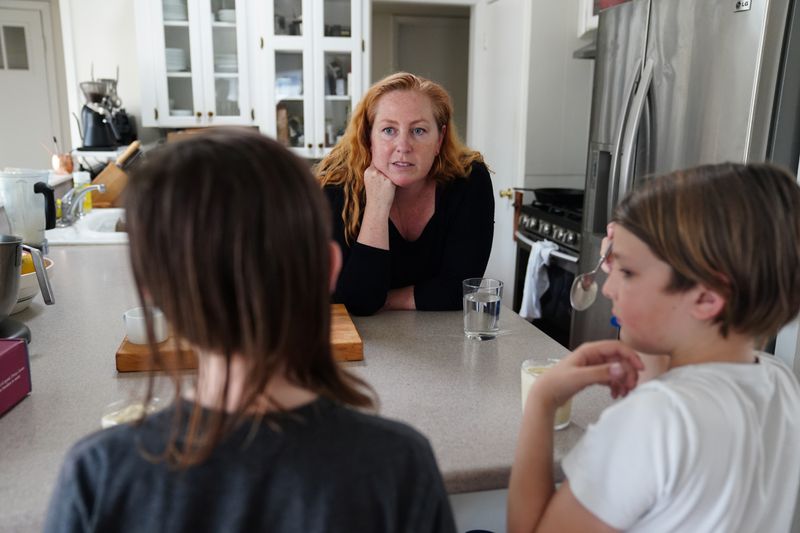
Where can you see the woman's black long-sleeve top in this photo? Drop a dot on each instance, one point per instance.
(453, 246)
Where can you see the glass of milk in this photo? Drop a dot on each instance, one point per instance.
(533, 368)
(482, 298)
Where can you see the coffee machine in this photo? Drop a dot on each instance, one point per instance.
(104, 124)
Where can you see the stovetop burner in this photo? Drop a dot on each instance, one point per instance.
(559, 224)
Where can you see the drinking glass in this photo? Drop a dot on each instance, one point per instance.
(481, 299)
(136, 329)
(532, 369)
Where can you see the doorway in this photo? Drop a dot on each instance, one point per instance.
(28, 98)
(431, 40)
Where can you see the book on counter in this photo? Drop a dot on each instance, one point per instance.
(15, 373)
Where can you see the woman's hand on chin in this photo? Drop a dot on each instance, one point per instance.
(380, 189)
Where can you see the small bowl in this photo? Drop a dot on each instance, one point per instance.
(29, 287)
(226, 15)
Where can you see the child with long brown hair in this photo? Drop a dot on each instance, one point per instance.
(705, 266)
(230, 237)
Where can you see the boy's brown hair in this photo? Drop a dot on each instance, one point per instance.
(229, 236)
(734, 228)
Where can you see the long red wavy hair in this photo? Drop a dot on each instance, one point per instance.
(346, 163)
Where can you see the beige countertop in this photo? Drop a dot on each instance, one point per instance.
(463, 395)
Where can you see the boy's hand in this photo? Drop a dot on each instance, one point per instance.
(604, 362)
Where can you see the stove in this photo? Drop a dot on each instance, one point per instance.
(559, 224)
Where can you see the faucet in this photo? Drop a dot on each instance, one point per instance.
(72, 203)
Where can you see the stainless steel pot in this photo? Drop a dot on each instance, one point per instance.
(10, 264)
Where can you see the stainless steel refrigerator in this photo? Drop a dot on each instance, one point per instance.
(679, 83)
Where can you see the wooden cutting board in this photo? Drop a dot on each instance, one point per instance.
(345, 340)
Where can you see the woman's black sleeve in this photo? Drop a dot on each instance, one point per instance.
(364, 279)
(468, 243)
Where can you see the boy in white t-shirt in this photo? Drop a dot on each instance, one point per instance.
(705, 265)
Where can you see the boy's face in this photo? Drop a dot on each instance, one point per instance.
(652, 320)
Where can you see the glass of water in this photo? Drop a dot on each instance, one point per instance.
(482, 298)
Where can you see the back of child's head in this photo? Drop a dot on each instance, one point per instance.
(229, 237)
(733, 228)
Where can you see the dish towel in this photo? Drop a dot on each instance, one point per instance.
(536, 280)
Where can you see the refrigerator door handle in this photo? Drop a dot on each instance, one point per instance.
(614, 170)
(626, 167)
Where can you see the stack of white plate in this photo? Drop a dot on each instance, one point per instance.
(177, 60)
(226, 15)
(181, 112)
(175, 10)
(225, 62)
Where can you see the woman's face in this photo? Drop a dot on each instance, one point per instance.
(404, 137)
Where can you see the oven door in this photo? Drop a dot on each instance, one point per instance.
(561, 271)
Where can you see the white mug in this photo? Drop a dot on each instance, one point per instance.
(136, 329)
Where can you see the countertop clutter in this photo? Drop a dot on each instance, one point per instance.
(463, 395)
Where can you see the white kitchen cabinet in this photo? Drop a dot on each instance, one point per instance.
(294, 68)
(194, 67)
(311, 67)
(587, 20)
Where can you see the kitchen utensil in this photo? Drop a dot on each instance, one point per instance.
(345, 342)
(114, 178)
(29, 203)
(10, 264)
(584, 288)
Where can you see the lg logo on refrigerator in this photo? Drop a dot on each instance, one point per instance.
(742, 5)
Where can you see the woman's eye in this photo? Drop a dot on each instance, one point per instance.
(419, 131)
(626, 273)
(388, 131)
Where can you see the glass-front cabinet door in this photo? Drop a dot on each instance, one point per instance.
(337, 64)
(201, 73)
(181, 84)
(227, 98)
(312, 78)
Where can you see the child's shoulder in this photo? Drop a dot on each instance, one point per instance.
(379, 428)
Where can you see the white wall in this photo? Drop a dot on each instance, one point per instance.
(560, 93)
(102, 33)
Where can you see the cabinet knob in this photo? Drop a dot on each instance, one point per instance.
(507, 193)
(310, 145)
(210, 114)
(319, 145)
(198, 114)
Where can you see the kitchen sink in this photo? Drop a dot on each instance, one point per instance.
(99, 226)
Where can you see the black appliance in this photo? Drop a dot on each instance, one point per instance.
(104, 124)
(556, 216)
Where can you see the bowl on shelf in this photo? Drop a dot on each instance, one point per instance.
(226, 15)
(29, 287)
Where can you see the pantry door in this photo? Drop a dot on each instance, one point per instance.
(27, 99)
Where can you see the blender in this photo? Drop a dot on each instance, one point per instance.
(30, 208)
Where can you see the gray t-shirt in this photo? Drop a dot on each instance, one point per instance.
(328, 468)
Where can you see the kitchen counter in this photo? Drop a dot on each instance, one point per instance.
(463, 395)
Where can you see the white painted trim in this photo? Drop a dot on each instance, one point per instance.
(43, 8)
(525, 62)
(68, 43)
